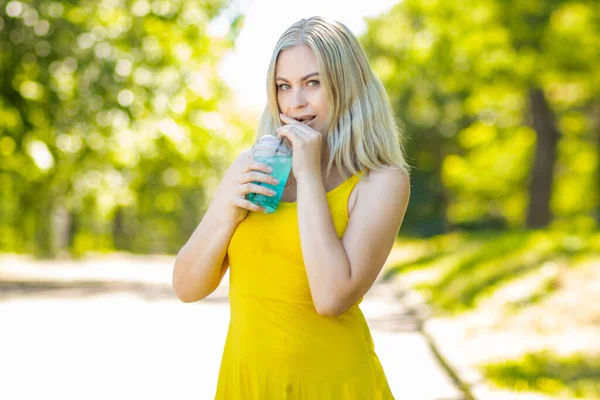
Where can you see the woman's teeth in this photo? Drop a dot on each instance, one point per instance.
(305, 120)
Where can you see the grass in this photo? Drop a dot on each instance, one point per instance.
(574, 376)
(520, 271)
(473, 265)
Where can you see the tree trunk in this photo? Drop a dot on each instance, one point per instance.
(542, 174)
(118, 231)
(596, 131)
(60, 228)
(598, 180)
(72, 229)
(44, 232)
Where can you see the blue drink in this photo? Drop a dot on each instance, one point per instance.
(269, 152)
(281, 171)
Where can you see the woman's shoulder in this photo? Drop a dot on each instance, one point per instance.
(387, 174)
(391, 180)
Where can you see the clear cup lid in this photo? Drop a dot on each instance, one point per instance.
(269, 139)
(272, 142)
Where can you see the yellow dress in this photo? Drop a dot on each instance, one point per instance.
(278, 346)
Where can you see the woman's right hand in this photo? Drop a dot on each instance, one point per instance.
(239, 187)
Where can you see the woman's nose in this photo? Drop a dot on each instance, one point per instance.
(298, 98)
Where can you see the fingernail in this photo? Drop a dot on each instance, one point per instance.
(275, 181)
(269, 169)
(272, 191)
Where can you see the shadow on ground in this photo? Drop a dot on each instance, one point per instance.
(82, 289)
(395, 322)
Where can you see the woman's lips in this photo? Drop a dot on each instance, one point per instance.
(308, 121)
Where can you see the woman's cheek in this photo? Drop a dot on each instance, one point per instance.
(281, 102)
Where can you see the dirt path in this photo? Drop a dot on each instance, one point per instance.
(111, 327)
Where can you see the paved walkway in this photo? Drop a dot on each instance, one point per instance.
(112, 328)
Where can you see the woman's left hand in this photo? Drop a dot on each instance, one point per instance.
(306, 146)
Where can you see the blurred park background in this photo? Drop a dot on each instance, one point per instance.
(116, 128)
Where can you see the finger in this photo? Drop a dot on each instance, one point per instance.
(298, 127)
(258, 176)
(292, 123)
(248, 205)
(303, 128)
(296, 134)
(290, 134)
(255, 165)
(247, 188)
(287, 120)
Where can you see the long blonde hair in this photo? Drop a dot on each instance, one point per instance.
(362, 132)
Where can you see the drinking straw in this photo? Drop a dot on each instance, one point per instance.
(279, 146)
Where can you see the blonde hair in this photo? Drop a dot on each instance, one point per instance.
(362, 132)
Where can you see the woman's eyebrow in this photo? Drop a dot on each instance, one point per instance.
(301, 79)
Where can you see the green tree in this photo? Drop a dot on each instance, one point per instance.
(114, 122)
(497, 99)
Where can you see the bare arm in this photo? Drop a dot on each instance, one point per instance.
(340, 272)
(202, 261)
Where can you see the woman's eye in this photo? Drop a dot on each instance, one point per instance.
(283, 86)
(313, 83)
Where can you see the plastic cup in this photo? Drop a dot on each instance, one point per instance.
(269, 151)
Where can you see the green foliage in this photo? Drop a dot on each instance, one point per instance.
(113, 118)
(459, 75)
(573, 376)
(468, 267)
(111, 113)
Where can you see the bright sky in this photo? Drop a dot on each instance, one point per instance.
(245, 69)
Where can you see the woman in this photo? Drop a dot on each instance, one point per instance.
(298, 275)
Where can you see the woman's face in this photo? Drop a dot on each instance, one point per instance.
(299, 91)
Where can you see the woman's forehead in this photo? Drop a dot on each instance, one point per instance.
(296, 62)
